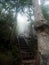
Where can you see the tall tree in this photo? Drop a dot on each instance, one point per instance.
(39, 18)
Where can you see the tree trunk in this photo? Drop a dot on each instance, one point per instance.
(43, 36)
(39, 18)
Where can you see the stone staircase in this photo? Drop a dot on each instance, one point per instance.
(27, 56)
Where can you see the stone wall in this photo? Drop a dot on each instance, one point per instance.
(43, 39)
(43, 42)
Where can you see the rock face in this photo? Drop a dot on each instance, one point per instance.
(44, 59)
(43, 43)
(43, 38)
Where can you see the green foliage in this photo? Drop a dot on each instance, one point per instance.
(9, 58)
(6, 25)
(45, 11)
(10, 4)
(8, 51)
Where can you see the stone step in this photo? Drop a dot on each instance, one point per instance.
(33, 61)
(27, 55)
(28, 62)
